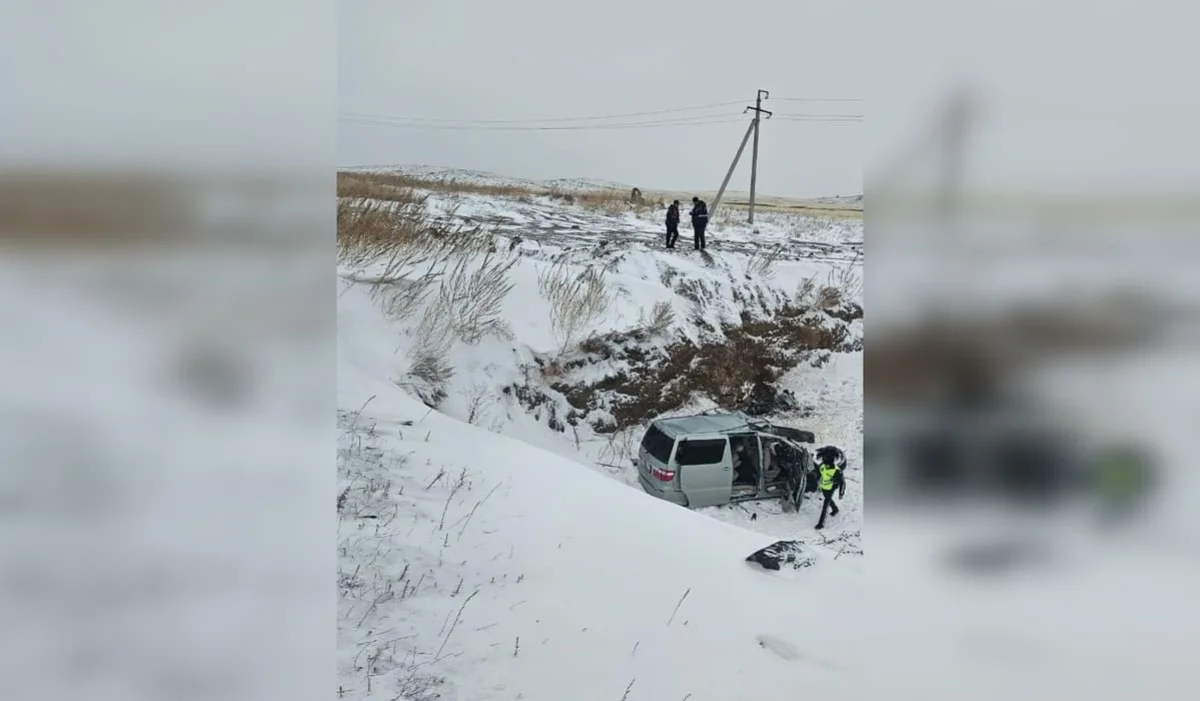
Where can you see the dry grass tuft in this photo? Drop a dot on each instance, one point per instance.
(660, 319)
(370, 229)
(412, 255)
(577, 300)
(454, 277)
(472, 295)
(761, 264)
(836, 295)
(430, 372)
(395, 236)
(848, 281)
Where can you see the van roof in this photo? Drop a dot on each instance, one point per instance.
(704, 423)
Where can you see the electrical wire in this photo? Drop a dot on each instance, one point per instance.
(818, 117)
(694, 120)
(703, 120)
(817, 99)
(547, 121)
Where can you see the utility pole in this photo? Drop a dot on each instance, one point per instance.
(758, 112)
(958, 114)
(729, 174)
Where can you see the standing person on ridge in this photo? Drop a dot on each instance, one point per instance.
(672, 224)
(830, 462)
(699, 222)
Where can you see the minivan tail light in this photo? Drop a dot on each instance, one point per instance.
(662, 475)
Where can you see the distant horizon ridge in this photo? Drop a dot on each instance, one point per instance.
(413, 168)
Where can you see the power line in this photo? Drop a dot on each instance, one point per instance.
(704, 120)
(819, 99)
(819, 117)
(694, 120)
(484, 124)
(546, 121)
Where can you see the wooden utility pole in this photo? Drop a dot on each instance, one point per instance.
(758, 112)
(729, 174)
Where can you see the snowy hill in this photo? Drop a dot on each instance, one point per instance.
(493, 543)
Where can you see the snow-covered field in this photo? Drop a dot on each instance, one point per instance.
(481, 178)
(497, 546)
(557, 228)
(476, 177)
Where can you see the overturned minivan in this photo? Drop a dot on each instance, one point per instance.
(715, 459)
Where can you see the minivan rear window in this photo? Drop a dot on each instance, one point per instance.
(658, 444)
(701, 452)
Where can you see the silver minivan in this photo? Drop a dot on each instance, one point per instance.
(715, 459)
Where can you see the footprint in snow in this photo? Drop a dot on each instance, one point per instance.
(789, 652)
(780, 647)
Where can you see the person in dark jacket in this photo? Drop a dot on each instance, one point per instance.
(699, 222)
(672, 224)
(830, 463)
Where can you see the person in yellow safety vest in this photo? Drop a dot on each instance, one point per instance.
(1124, 478)
(831, 478)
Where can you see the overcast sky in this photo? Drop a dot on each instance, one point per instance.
(1087, 97)
(549, 59)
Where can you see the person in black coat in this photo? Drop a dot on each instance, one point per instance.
(672, 224)
(699, 222)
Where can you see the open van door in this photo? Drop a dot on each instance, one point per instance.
(796, 484)
(705, 469)
(796, 475)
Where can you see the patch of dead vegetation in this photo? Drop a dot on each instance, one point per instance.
(734, 371)
(355, 183)
(697, 291)
(355, 186)
(387, 186)
(835, 296)
(542, 406)
(764, 299)
(668, 274)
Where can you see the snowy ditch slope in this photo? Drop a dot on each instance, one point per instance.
(492, 540)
